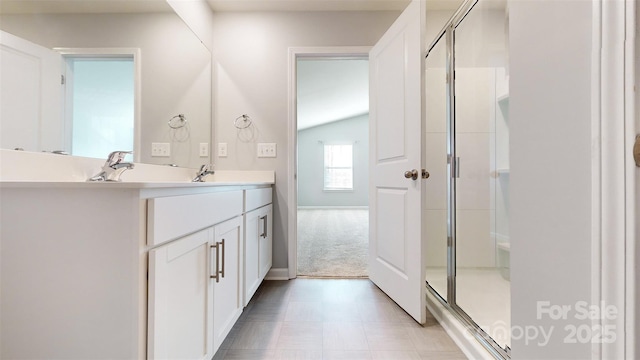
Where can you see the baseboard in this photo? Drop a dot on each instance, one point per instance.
(458, 332)
(278, 274)
(332, 207)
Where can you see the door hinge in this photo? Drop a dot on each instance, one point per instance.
(61, 79)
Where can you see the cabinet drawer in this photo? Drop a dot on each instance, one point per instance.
(174, 216)
(256, 198)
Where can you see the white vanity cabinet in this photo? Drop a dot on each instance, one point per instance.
(227, 281)
(195, 281)
(121, 270)
(258, 253)
(195, 292)
(180, 299)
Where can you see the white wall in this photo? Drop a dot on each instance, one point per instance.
(176, 69)
(251, 55)
(198, 16)
(550, 118)
(311, 141)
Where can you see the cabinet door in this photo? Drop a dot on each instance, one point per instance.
(265, 222)
(180, 299)
(227, 289)
(251, 254)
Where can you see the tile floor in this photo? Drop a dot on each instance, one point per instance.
(332, 319)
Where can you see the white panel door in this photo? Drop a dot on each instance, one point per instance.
(180, 299)
(396, 259)
(31, 96)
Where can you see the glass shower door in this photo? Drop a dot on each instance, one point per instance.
(482, 289)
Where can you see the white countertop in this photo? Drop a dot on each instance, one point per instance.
(20, 169)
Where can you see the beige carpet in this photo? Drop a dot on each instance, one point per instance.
(333, 242)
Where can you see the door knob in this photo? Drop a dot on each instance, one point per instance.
(412, 174)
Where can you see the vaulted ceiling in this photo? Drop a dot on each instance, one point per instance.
(331, 90)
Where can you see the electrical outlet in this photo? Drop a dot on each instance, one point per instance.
(266, 150)
(160, 149)
(222, 149)
(204, 149)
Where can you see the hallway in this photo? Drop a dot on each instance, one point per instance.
(332, 319)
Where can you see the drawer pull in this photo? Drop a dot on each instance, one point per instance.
(217, 257)
(222, 245)
(265, 231)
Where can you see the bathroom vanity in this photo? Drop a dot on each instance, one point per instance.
(130, 270)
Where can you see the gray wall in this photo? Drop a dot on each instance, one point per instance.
(251, 77)
(311, 143)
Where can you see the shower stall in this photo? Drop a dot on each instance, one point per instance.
(466, 213)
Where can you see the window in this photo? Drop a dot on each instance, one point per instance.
(338, 167)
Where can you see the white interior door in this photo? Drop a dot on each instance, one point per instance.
(31, 96)
(396, 259)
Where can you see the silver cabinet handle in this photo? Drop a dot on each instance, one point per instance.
(222, 245)
(216, 275)
(264, 227)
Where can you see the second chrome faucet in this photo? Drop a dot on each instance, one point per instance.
(113, 167)
(203, 172)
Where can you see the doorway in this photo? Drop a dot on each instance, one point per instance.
(331, 142)
(107, 79)
(100, 93)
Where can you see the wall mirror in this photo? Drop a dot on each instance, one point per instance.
(172, 74)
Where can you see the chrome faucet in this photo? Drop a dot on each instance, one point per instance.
(202, 173)
(113, 167)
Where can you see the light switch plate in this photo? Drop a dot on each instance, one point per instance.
(222, 149)
(160, 149)
(204, 149)
(266, 150)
